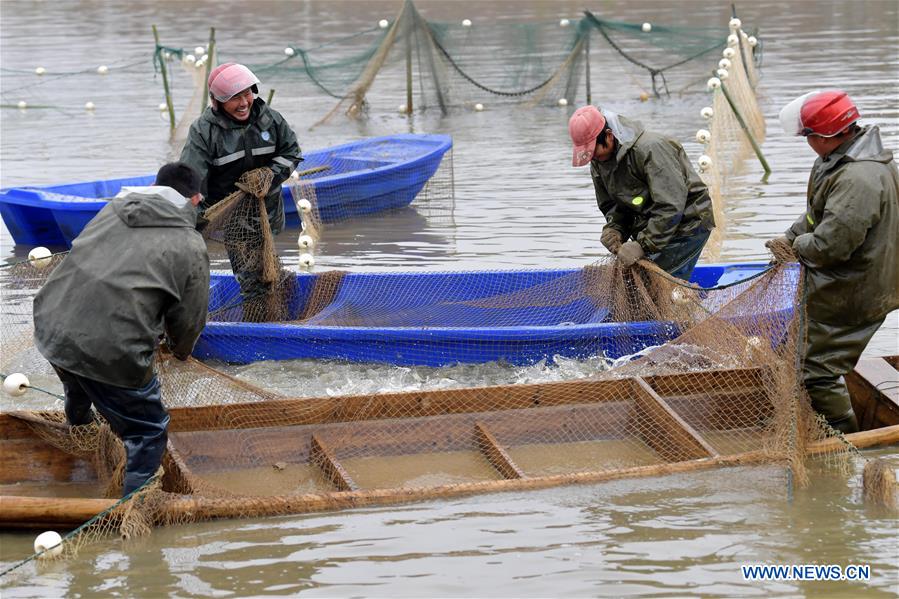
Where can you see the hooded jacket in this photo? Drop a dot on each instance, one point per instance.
(648, 189)
(222, 149)
(847, 237)
(138, 270)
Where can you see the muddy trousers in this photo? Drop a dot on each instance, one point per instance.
(831, 352)
(137, 416)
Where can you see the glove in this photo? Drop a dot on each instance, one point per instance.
(611, 239)
(629, 253)
(165, 349)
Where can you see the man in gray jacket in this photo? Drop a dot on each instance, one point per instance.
(139, 271)
(847, 241)
(654, 202)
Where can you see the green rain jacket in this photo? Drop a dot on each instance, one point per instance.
(222, 149)
(848, 236)
(648, 189)
(138, 270)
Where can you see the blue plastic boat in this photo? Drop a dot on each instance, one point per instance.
(396, 321)
(361, 177)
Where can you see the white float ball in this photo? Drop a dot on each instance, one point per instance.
(479, 107)
(102, 69)
(304, 205)
(703, 136)
(306, 241)
(707, 113)
(713, 83)
(732, 40)
(402, 109)
(704, 162)
(722, 74)
(163, 107)
(50, 543)
(190, 59)
(22, 104)
(564, 23)
(466, 23)
(752, 41)
(200, 50)
(40, 71)
(16, 384)
(563, 102)
(735, 24)
(724, 63)
(383, 23)
(40, 257)
(729, 53)
(647, 27)
(289, 51)
(89, 106)
(307, 261)
(200, 63)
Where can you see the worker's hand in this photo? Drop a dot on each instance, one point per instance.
(166, 351)
(256, 182)
(781, 250)
(629, 253)
(611, 239)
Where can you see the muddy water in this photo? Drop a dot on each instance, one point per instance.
(674, 535)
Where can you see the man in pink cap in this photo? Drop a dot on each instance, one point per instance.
(236, 134)
(655, 204)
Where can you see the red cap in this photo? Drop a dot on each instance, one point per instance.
(584, 127)
(827, 113)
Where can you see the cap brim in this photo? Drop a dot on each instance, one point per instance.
(583, 154)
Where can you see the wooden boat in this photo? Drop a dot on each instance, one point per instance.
(352, 179)
(41, 486)
(438, 319)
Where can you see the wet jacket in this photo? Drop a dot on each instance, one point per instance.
(848, 236)
(648, 189)
(137, 270)
(222, 149)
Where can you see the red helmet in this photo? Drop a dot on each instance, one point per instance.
(229, 79)
(826, 113)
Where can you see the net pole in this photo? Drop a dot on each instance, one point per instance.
(739, 34)
(755, 145)
(408, 33)
(165, 80)
(209, 51)
(587, 65)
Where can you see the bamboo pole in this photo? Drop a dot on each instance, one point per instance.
(210, 52)
(587, 65)
(271, 94)
(165, 80)
(755, 145)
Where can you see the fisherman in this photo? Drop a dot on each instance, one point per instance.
(238, 133)
(847, 241)
(139, 271)
(655, 204)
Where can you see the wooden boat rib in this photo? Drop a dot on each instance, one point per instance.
(674, 413)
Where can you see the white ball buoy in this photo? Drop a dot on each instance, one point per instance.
(383, 23)
(16, 384)
(200, 50)
(704, 162)
(40, 71)
(752, 41)
(735, 24)
(307, 261)
(89, 106)
(729, 53)
(304, 205)
(707, 113)
(402, 109)
(40, 257)
(466, 23)
(563, 102)
(200, 63)
(722, 74)
(732, 40)
(647, 27)
(564, 23)
(724, 63)
(703, 136)
(479, 107)
(288, 51)
(22, 104)
(713, 83)
(306, 241)
(50, 543)
(102, 69)
(190, 59)
(163, 107)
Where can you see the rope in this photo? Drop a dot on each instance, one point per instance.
(654, 269)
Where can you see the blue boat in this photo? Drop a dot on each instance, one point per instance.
(349, 180)
(395, 319)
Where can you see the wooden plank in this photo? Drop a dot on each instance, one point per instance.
(874, 389)
(495, 453)
(324, 458)
(28, 512)
(668, 434)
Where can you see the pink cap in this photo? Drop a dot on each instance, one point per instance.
(584, 127)
(229, 79)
